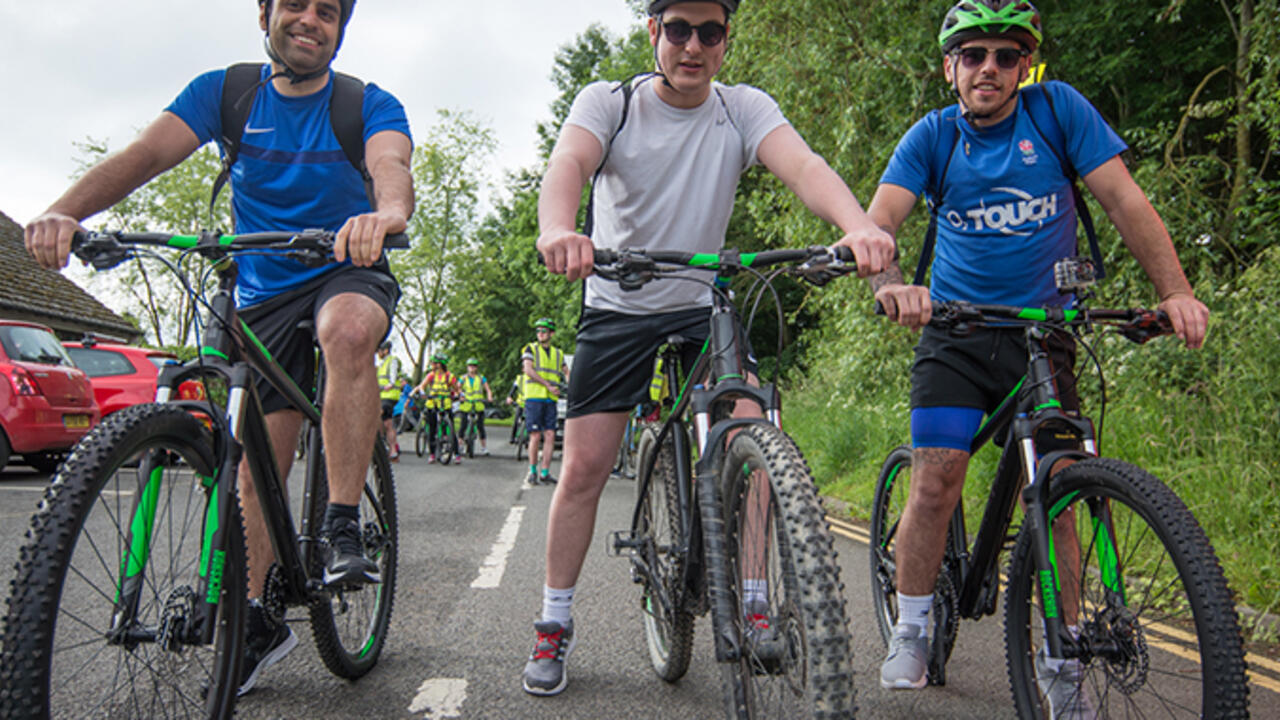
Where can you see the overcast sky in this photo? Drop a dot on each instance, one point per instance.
(85, 68)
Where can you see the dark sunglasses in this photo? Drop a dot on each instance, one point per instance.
(678, 32)
(1006, 58)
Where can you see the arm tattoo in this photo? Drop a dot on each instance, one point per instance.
(945, 459)
(889, 277)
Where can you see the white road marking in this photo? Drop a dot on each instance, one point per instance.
(440, 698)
(495, 565)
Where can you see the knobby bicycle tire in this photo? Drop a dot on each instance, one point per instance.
(802, 665)
(62, 598)
(350, 625)
(420, 441)
(446, 440)
(892, 491)
(1156, 609)
(668, 628)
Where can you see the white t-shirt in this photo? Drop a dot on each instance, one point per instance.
(669, 181)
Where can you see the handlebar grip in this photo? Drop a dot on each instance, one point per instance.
(396, 241)
(843, 253)
(603, 256)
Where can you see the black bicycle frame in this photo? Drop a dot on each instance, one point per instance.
(1032, 408)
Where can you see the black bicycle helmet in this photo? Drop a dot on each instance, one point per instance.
(657, 6)
(970, 19)
(346, 8)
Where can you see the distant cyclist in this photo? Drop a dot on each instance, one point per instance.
(475, 392)
(515, 398)
(1009, 217)
(287, 179)
(440, 387)
(545, 373)
(389, 393)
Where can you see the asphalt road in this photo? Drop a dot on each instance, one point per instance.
(455, 649)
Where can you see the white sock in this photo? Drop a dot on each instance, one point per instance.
(755, 591)
(556, 604)
(914, 610)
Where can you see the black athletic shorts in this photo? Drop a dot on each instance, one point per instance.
(981, 369)
(275, 321)
(614, 360)
(389, 408)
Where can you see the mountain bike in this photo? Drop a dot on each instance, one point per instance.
(470, 433)
(1103, 546)
(130, 593)
(520, 434)
(446, 438)
(725, 503)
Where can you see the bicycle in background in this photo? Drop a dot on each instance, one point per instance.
(130, 593)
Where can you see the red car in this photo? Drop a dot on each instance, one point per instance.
(124, 375)
(46, 402)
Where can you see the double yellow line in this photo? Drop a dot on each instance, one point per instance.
(1263, 672)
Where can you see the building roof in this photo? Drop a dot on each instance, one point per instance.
(30, 292)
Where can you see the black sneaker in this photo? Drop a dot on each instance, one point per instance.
(548, 479)
(346, 563)
(545, 674)
(266, 643)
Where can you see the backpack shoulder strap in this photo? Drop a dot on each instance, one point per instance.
(1045, 120)
(346, 116)
(235, 105)
(627, 88)
(944, 150)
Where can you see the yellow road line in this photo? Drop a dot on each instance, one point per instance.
(1256, 662)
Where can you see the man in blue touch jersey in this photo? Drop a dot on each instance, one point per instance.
(1005, 217)
(290, 174)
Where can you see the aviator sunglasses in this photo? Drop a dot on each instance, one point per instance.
(1006, 58)
(678, 32)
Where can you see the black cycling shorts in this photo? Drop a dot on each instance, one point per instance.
(614, 361)
(982, 368)
(275, 321)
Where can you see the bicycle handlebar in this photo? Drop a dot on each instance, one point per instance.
(104, 250)
(631, 269)
(1136, 324)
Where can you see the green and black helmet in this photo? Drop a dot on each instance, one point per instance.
(545, 322)
(440, 358)
(971, 19)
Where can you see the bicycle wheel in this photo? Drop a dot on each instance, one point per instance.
(522, 441)
(796, 659)
(350, 625)
(420, 441)
(446, 441)
(146, 468)
(892, 490)
(668, 624)
(1158, 627)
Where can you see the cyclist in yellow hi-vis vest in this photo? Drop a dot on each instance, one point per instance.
(439, 386)
(389, 391)
(545, 373)
(475, 392)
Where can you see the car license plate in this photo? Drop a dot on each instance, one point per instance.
(75, 421)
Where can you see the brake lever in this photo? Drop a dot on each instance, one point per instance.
(1147, 326)
(102, 251)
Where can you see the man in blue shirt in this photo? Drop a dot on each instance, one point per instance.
(290, 174)
(1005, 217)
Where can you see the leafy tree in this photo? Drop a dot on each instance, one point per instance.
(176, 201)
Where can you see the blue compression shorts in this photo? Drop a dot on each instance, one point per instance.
(948, 427)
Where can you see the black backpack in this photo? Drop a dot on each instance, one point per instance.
(346, 116)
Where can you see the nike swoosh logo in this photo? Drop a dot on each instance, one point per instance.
(254, 130)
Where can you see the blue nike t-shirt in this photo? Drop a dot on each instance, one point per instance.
(1006, 214)
(291, 173)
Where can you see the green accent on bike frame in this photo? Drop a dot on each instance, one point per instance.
(186, 242)
(206, 350)
(1007, 398)
(888, 483)
(1050, 404)
(1050, 609)
(215, 577)
(703, 259)
(140, 530)
(705, 344)
(1108, 560)
(211, 516)
(254, 339)
(1040, 315)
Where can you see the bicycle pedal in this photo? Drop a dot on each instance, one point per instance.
(622, 540)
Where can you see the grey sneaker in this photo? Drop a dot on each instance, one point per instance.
(545, 674)
(346, 564)
(906, 666)
(1065, 689)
